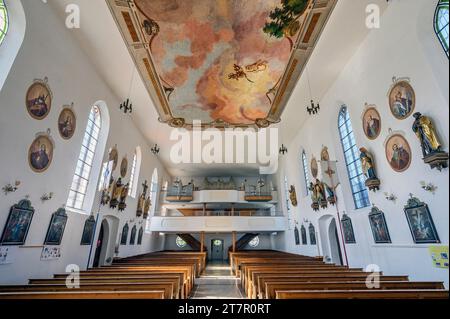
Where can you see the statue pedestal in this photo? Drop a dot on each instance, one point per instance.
(373, 184)
(323, 204)
(331, 200)
(315, 206)
(437, 160)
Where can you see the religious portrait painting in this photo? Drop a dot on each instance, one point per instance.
(67, 123)
(314, 167)
(39, 100)
(18, 224)
(372, 123)
(402, 100)
(40, 153)
(421, 223)
(347, 227)
(379, 227)
(124, 167)
(56, 228)
(88, 231)
(398, 153)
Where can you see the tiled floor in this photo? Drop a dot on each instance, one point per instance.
(217, 283)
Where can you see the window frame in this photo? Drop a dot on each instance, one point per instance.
(133, 183)
(306, 172)
(359, 190)
(5, 16)
(438, 29)
(85, 161)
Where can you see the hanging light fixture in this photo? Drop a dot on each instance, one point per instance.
(126, 106)
(314, 108)
(155, 149)
(283, 149)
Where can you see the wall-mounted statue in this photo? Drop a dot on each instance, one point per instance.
(315, 202)
(293, 196)
(143, 201)
(318, 195)
(368, 166)
(429, 141)
(116, 193)
(123, 197)
(107, 191)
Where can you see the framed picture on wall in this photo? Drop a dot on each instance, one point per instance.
(297, 236)
(304, 236)
(88, 231)
(56, 228)
(124, 236)
(347, 227)
(140, 235)
(420, 222)
(133, 235)
(39, 99)
(402, 100)
(379, 227)
(18, 224)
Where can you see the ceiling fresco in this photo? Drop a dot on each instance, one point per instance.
(223, 62)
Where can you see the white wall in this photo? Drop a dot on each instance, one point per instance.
(49, 50)
(405, 46)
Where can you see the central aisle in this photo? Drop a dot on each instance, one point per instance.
(217, 283)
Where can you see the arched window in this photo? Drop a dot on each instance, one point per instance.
(254, 242)
(83, 169)
(4, 21)
(134, 177)
(306, 172)
(441, 23)
(351, 154)
(181, 243)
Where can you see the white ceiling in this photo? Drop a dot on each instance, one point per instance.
(101, 40)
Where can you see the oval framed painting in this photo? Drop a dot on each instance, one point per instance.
(402, 100)
(314, 167)
(39, 100)
(372, 123)
(114, 157)
(124, 167)
(40, 154)
(398, 153)
(67, 123)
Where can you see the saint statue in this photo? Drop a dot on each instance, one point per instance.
(368, 165)
(425, 131)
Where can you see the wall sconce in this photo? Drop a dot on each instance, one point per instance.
(306, 221)
(47, 197)
(283, 150)
(155, 149)
(8, 188)
(430, 187)
(390, 197)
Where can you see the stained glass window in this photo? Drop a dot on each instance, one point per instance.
(254, 242)
(441, 23)
(4, 21)
(351, 154)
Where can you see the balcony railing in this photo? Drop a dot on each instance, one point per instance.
(220, 213)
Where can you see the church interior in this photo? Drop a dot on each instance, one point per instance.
(224, 149)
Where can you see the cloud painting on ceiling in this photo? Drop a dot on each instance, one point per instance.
(224, 62)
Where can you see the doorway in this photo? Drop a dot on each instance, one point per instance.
(101, 245)
(217, 247)
(335, 247)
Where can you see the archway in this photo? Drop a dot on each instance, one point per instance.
(335, 247)
(329, 240)
(102, 243)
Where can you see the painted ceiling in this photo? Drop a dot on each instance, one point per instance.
(217, 61)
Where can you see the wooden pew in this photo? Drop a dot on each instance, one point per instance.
(84, 295)
(363, 294)
(167, 287)
(271, 288)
